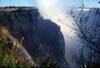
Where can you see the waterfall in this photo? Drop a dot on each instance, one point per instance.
(51, 9)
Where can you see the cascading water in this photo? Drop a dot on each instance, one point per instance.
(51, 9)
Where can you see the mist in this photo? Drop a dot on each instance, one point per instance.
(56, 12)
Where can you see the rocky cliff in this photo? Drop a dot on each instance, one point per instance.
(89, 21)
(41, 37)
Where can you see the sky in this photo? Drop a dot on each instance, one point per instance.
(17, 2)
(66, 3)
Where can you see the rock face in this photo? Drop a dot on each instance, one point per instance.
(90, 23)
(41, 37)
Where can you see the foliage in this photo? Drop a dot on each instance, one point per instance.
(7, 59)
(48, 63)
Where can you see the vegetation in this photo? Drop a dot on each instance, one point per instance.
(12, 60)
(7, 59)
(48, 63)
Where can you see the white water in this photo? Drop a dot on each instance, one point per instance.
(51, 9)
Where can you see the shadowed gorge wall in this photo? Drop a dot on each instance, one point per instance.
(41, 37)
